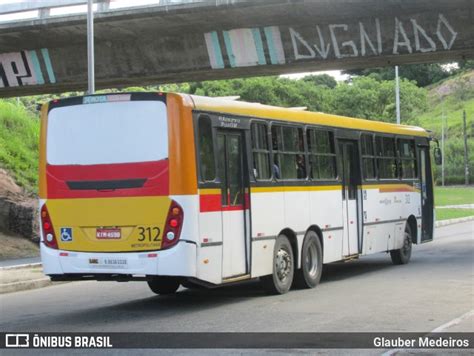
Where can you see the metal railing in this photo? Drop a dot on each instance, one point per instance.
(34, 10)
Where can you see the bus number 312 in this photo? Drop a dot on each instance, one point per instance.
(149, 233)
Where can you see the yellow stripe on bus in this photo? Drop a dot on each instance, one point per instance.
(209, 191)
(381, 187)
(270, 189)
(390, 187)
(295, 188)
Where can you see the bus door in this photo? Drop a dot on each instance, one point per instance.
(235, 202)
(349, 170)
(426, 194)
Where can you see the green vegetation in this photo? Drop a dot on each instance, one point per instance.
(422, 74)
(453, 196)
(364, 97)
(19, 135)
(449, 99)
(445, 214)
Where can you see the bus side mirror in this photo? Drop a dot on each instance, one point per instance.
(438, 158)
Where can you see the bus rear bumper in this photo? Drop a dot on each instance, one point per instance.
(177, 261)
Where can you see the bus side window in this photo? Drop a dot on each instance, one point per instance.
(386, 157)
(206, 150)
(261, 152)
(322, 156)
(289, 157)
(407, 159)
(368, 156)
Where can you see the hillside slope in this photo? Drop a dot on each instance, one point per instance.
(448, 99)
(19, 135)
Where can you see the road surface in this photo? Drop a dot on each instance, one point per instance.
(366, 295)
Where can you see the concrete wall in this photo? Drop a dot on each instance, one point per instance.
(237, 39)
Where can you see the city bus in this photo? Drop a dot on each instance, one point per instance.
(176, 189)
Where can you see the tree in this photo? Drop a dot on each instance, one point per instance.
(369, 98)
(422, 74)
(466, 65)
(324, 80)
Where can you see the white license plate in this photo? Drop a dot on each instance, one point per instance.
(109, 262)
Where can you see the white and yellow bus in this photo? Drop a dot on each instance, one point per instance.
(177, 189)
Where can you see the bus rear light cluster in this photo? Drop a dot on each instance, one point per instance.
(49, 237)
(174, 223)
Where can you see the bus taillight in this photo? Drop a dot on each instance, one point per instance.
(174, 223)
(49, 238)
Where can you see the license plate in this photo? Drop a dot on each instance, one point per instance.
(108, 234)
(108, 262)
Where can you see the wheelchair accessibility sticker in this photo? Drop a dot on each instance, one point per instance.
(66, 234)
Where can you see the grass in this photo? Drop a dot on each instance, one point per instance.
(453, 196)
(449, 99)
(445, 214)
(450, 106)
(19, 136)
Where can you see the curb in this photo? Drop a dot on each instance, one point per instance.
(28, 265)
(24, 285)
(453, 221)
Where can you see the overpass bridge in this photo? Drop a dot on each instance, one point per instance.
(192, 40)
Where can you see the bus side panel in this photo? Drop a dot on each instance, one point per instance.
(386, 208)
(268, 213)
(377, 209)
(297, 215)
(326, 213)
(209, 239)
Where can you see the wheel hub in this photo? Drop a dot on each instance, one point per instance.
(283, 264)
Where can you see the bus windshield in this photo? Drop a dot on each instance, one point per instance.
(107, 133)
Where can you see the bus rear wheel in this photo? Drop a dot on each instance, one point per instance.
(279, 282)
(163, 285)
(402, 255)
(311, 262)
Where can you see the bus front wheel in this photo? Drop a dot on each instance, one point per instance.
(403, 254)
(279, 282)
(311, 262)
(163, 285)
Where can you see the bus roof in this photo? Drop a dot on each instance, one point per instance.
(241, 108)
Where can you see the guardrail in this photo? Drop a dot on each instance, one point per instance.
(34, 10)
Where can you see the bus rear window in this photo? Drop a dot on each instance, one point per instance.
(107, 133)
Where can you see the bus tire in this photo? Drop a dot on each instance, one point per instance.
(309, 275)
(403, 254)
(281, 279)
(163, 285)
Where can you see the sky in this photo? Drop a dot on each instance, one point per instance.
(115, 4)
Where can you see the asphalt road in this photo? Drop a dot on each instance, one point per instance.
(371, 294)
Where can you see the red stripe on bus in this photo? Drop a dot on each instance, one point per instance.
(210, 202)
(213, 202)
(155, 173)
